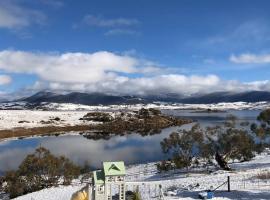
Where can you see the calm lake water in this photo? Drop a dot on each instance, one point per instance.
(132, 148)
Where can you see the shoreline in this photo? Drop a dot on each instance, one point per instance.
(144, 121)
(21, 133)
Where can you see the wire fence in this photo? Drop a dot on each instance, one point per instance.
(156, 189)
(250, 183)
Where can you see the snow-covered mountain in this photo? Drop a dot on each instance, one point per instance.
(217, 97)
(81, 98)
(106, 99)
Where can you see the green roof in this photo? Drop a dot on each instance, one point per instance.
(99, 177)
(114, 168)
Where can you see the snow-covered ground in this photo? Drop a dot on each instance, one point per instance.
(70, 114)
(56, 193)
(160, 105)
(186, 186)
(217, 106)
(244, 184)
(26, 118)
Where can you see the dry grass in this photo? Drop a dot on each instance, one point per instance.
(26, 132)
(263, 175)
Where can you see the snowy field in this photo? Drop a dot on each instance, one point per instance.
(160, 105)
(182, 185)
(26, 118)
(70, 114)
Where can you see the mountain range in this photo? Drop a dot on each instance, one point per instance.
(105, 99)
(81, 98)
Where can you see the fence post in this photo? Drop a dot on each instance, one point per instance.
(229, 184)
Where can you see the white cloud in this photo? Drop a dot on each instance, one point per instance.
(68, 67)
(163, 84)
(142, 86)
(259, 85)
(99, 21)
(113, 32)
(250, 58)
(251, 34)
(4, 79)
(15, 16)
(113, 26)
(113, 73)
(209, 61)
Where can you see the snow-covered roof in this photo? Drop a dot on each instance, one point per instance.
(114, 168)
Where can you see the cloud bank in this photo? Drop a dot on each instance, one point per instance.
(113, 73)
(4, 79)
(112, 26)
(15, 16)
(99, 21)
(250, 58)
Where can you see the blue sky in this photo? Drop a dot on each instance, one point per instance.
(63, 45)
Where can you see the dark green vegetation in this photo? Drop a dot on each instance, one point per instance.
(262, 130)
(209, 111)
(39, 170)
(97, 117)
(231, 141)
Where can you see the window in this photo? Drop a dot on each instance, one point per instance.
(100, 189)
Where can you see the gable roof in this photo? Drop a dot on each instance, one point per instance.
(98, 177)
(114, 168)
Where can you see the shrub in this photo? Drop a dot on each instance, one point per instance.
(97, 117)
(220, 142)
(262, 129)
(236, 144)
(183, 146)
(264, 116)
(263, 175)
(154, 111)
(165, 166)
(143, 113)
(40, 170)
(136, 195)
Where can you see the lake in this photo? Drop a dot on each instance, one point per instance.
(132, 148)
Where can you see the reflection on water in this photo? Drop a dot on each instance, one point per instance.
(132, 148)
(214, 116)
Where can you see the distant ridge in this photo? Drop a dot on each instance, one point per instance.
(105, 99)
(82, 98)
(218, 97)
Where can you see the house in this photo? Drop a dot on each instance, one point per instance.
(110, 178)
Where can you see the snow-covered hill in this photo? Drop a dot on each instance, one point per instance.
(160, 105)
(244, 183)
(109, 99)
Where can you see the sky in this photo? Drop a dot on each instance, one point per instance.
(134, 47)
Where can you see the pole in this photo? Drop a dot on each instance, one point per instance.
(229, 184)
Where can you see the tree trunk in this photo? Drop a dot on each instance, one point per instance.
(222, 162)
